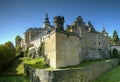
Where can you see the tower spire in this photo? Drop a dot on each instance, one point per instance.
(46, 22)
(46, 15)
(103, 29)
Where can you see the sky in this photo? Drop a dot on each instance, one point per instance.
(16, 16)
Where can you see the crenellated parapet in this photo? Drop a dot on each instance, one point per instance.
(59, 22)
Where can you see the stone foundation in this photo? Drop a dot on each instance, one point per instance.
(81, 74)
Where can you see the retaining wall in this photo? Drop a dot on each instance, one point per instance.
(81, 74)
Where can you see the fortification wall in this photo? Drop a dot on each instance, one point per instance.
(68, 49)
(111, 47)
(81, 74)
(63, 49)
(50, 49)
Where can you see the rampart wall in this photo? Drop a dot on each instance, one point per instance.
(81, 74)
(63, 49)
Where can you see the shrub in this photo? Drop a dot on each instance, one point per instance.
(41, 49)
(32, 53)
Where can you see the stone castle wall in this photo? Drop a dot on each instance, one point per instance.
(81, 74)
(96, 46)
(112, 46)
(68, 49)
(36, 43)
(50, 49)
(64, 48)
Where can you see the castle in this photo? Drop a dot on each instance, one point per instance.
(79, 42)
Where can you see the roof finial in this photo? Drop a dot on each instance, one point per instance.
(103, 29)
(46, 15)
(46, 19)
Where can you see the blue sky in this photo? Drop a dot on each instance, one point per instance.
(18, 15)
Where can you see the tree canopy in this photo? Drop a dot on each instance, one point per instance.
(41, 49)
(110, 40)
(115, 37)
(18, 40)
(7, 54)
(18, 45)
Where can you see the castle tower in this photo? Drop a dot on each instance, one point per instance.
(55, 22)
(103, 29)
(58, 22)
(81, 26)
(46, 22)
(104, 32)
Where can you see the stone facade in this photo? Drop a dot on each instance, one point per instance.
(63, 49)
(114, 46)
(79, 42)
(33, 36)
(94, 43)
(50, 49)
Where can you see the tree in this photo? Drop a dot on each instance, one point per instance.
(18, 45)
(110, 40)
(41, 49)
(10, 50)
(7, 54)
(18, 50)
(3, 53)
(18, 40)
(115, 37)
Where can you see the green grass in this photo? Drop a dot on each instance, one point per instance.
(112, 75)
(14, 78)
(15, 72)
(16, 67)
(83, 64)
(38, 63)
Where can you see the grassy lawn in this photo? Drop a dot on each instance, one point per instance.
(85, 63)
(38, 63)
(79, 65)
(16, 67)
(15, 72)
(14, 78)
(112, 75)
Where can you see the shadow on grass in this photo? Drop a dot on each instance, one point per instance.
(14, 78)
(11, 70)
(39, 65)
(14, 72)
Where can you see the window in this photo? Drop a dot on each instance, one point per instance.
(94, 43)
(99, 43)
(99, 37)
